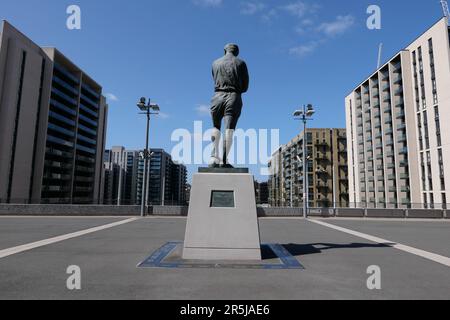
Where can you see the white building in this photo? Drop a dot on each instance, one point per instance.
(398, 145)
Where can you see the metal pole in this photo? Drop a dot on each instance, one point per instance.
(144, 178)
(119, 191)
(305, 169)
(292, 193)
(334, 185)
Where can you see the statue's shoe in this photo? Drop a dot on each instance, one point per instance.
(214, 165)
(227, 166)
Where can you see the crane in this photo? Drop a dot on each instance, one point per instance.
(380, 52)
(445, 8)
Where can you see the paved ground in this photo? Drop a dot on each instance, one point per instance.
(335, 261)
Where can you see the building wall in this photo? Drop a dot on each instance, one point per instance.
(124, 171)
(393, 120)
(327, 170)
(25, 73)
(42, 147)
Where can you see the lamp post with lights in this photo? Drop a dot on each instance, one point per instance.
(147, 109)
(305, 114)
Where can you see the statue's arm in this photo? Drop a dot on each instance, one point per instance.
(245, 78)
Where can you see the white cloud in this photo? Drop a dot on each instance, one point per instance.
(304, 49)
(208, 3)
(163, 115)
(269, 15)
(339, 26)
(111, 97)
(203, 110)
(251, 8)
(300, 8)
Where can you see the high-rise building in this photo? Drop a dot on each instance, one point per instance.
(327, 170)
(52, 125)
(399, 149)
(262, 193)
(124, 172)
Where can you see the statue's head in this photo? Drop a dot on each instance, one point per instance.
(232, 48)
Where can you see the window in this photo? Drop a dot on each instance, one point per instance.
(438, 126)
(433, 71)
(419, 124)
(425, 125)
(441, 169)
(444, 201)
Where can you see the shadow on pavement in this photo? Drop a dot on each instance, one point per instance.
(317, 248)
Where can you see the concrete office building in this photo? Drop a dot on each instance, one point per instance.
(52, 125)
(399, 149)
(327, 170)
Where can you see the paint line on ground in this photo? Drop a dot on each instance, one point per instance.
(418, 252)
(30, 246)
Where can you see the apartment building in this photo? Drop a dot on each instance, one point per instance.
(326, 167)
(124, 172)
(52, 125)
(262, 193)
(397, 142)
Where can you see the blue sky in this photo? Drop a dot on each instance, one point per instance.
(297, 52)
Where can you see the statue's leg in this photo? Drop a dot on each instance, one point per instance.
(232, 114)
(217, 115)
(215, 155)
(228, 139)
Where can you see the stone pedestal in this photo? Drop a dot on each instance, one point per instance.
(222, 221)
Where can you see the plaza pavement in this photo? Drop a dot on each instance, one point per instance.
(335, 260)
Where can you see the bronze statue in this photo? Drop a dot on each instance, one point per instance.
(231, 80)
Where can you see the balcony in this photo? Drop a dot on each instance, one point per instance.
(64, 96)
(403, 163)
(402, 138)
(62, 107)
(61, 130)
(65, 85)
(58, 153)
(91, 91)
(400, 115)
(404, 176)
(61, 118)
(66, 73)
(58, 165)
(59, 141)
(93, 104)
(397, 80)
(57, 176)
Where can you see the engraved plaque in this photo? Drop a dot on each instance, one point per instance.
(222, 199)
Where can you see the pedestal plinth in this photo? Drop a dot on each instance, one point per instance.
(222, 221)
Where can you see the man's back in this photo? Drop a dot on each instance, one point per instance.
(230, 74)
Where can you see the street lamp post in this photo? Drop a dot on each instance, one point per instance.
(148, 110)
(305, 115)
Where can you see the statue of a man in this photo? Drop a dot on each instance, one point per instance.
(231, 80)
